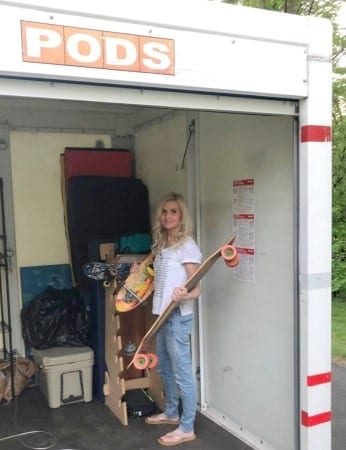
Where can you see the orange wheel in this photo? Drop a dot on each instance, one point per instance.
(153, 360)
(228, 252)
(141, 361)
(234, 262)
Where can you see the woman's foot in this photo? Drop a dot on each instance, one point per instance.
(158, 419)
(176, 437)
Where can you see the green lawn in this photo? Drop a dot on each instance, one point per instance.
(339, 330)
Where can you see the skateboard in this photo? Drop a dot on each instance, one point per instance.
(137, 288)
(118, 269)
(142, 360)
(107, 271)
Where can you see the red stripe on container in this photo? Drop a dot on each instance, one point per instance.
(317, 419)
(319, 378)
(316, 133)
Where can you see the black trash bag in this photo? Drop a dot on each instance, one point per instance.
(56, 317)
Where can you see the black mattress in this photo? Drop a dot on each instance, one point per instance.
(103, 208)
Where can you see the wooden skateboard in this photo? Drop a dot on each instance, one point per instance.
(140, 359)
(137, 288)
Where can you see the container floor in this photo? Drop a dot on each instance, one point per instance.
(92, 426)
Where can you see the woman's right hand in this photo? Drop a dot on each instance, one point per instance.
(180, 294)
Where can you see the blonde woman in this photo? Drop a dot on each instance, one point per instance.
(177, 257)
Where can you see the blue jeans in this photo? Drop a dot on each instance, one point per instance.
(175, 368)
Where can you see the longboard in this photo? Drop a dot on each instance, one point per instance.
(140, 359)
(137, 288)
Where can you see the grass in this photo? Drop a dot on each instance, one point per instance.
(339, 331)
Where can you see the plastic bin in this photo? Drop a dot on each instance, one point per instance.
(66, 374)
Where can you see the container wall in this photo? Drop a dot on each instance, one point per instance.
(37, 198)
(159, 153)
(248, 326)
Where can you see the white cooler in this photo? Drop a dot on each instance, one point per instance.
(66, 374)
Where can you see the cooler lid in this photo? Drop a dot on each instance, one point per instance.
(62, 355)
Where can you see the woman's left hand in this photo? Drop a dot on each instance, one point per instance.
(134, 267)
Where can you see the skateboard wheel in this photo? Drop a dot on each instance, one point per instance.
(106, 284)
(228, 252)
(234, 262)
(130, 349)
(153, 360)
(141, 361)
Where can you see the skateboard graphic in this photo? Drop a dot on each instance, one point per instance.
(137, 288)
(142, 360)
(106, 272)
(119, 269)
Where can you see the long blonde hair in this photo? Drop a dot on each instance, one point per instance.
(159, 234)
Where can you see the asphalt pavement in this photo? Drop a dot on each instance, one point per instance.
(339, 407)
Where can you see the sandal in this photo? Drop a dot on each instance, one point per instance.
(176, 437)
(158, 419)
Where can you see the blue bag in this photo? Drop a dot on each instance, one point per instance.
(135, 243)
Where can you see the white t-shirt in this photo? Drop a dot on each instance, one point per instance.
(170, 273)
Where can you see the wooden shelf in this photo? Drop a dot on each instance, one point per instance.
(120, 330)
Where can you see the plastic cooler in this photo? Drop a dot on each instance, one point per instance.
(66, 374)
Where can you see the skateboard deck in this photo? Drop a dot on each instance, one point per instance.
(137, 288)
(140, 359)
(119, 269)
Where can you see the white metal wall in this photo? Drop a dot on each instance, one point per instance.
(159, 150)
(248, 328)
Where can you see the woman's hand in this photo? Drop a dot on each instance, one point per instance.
(180, 294)
(134, 267)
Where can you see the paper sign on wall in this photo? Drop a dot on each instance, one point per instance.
(245, 270)
(244, 228)
(244, 196)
